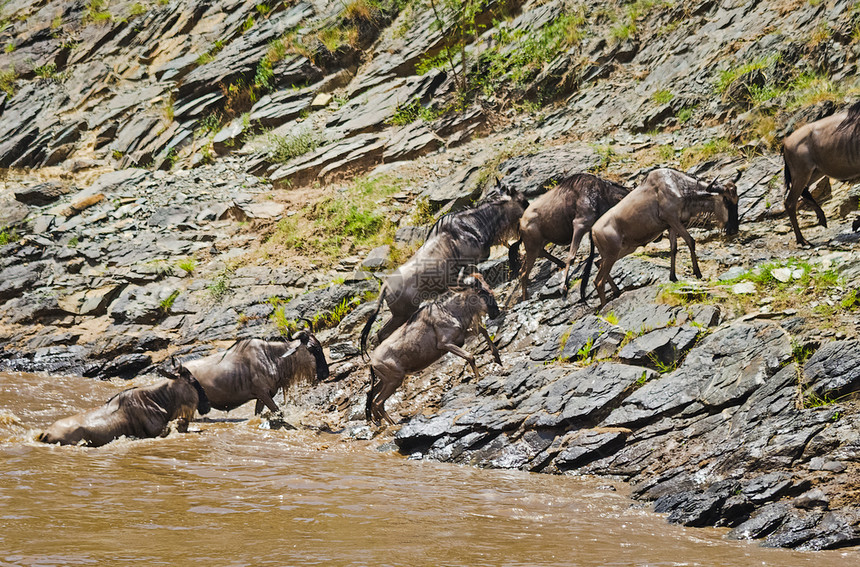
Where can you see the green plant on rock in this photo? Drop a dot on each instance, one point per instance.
(220, 286)
(662, 96)
(284, 148)
(607, 155)
(663, 367)
(97, 13)
(410, 112)
(703, 152)
(248, 24)
(7, 81)
(187, 264)
(8, 235)
(585, 353)
(166, 303)
(458, 21)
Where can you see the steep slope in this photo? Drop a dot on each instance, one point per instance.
(179, 174)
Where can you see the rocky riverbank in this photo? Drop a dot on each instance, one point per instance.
(183, 174)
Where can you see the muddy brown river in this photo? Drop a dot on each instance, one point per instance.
(230, 493)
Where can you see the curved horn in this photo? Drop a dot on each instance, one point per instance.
(738, 176)
(710, 187)
(310, 323)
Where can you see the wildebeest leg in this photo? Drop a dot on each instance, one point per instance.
(551, 258)
(263, 398)
(579, 230)
(483, 330)
(807, 196)
(388, 384)
(691, 244)
(454, 349)
(673, 252)
(532, 251)
(795, 185)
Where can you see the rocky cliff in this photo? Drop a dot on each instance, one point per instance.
(179, 174)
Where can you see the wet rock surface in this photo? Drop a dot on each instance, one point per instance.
(137, 198)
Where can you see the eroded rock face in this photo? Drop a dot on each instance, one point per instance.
(702, 412)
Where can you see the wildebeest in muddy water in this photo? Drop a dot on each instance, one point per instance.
(254, 369)
(137, 412)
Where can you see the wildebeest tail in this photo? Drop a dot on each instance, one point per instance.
(365, 332)
(514, 264)
(586, 270)
(368, 408)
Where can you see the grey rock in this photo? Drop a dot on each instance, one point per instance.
(663, 346)
(41, 194)
(834, 369)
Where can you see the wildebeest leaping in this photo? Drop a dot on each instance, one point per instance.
(827, 147)
(436, 328)
(454, 242)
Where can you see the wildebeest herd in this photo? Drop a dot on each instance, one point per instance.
(437, 298)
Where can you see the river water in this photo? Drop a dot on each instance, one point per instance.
(231, 493)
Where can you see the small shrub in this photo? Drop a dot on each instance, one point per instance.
(703, 152)
(666, 152)
(284, 148)
(7, 82)
(220, 287)
(188, 264)
(662, 97)
(248, 23)
(8, 235)
(685, 114)
(137, 9)
(97, 13)
(585, 353)
(166, 303)
(410, 112)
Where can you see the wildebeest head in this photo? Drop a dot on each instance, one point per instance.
(179, 372)
(511, 194)
(727, 209)
(480, 285)
(309, 341)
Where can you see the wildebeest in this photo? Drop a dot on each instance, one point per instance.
(436, 328)
(254, 369)
(827, 147)
(563, 215)
(137, 412)
(666, 199)
(454, 242)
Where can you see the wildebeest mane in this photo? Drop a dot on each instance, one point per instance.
(242, 344)
(482, 224)
(851, 124)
